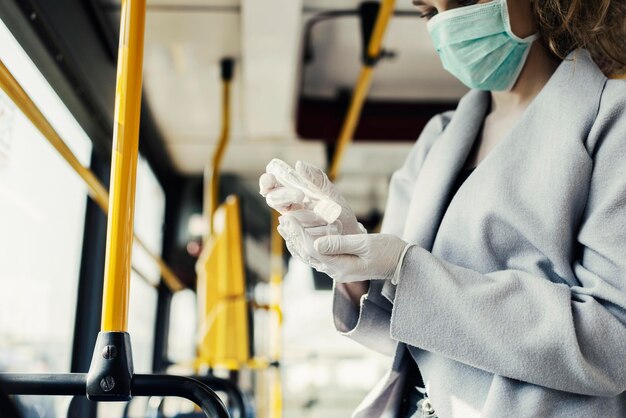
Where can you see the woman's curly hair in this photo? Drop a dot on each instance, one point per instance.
(596, 25)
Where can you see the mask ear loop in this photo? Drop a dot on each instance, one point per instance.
(507, 24)
(527, 40)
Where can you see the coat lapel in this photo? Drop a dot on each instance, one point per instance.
(432, 187)
(431, 193)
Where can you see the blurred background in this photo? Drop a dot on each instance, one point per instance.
(296, 65)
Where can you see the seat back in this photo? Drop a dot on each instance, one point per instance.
(223, 326)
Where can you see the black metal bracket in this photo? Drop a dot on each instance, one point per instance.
(368, 15)
(227, 68)
(371, 61)
(111, 371)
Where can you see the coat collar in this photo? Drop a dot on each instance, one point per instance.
(431, 193)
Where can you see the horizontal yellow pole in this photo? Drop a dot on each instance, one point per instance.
(362, 87)
(96, 189)
(170, 278)
(143, 276)
(618, 77)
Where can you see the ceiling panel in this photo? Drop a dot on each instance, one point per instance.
(182, 71)
(270, 54)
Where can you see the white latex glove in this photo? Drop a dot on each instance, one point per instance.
(278, 197)
(285, 199)
(313, 224)
(299, 242)
(351, 258)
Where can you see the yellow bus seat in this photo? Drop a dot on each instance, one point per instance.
(223, 336)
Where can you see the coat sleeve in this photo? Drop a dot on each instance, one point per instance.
(368, 324)
(513, 324)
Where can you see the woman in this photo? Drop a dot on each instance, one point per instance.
(501, 268)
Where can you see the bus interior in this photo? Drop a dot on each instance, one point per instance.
(222, 320)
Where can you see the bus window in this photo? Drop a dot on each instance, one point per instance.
(182, 332)
(42, 211)
(141, 317)
(149, 217)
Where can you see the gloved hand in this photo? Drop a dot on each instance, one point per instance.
(350, 258)
(299, 242)
(286, 199)
(278, 197)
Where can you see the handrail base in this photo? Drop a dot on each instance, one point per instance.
(111, 371)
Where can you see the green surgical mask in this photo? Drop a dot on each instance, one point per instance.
(476, 44)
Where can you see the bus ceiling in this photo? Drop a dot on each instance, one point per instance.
(298, 63)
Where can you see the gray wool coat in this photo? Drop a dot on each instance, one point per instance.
(512, 299)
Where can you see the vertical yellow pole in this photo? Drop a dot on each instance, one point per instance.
(276, 281)
(213, 192)
(124, 167)
(219, 152)
(362, 87)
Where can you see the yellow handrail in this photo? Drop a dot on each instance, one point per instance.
(170, 278)
(96, 189)
(124, 167)
(218, 155)
(362, 87)
(16, 93)
(276, 281)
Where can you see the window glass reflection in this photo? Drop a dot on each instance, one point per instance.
(42, 212)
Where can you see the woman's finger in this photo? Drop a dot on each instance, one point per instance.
(285, 199)
(267, 183)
